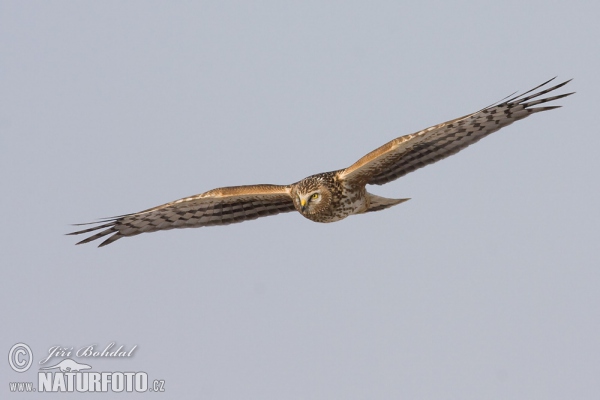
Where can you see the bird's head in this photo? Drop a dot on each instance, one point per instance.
(311, 196)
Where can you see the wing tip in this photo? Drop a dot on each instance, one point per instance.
(111, 229)
(111, 239)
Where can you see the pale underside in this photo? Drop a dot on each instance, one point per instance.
(389, 162)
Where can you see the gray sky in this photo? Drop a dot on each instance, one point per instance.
(484, 285)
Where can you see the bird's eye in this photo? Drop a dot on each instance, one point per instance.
(315, 196)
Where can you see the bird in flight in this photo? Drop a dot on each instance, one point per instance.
(329, 196)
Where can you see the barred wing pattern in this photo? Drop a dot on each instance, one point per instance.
(411, 152)
(335, 195)
(220, 206)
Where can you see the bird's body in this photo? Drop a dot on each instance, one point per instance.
(340, 201)
(329, 196)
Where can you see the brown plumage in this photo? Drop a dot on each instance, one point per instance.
(329, 196)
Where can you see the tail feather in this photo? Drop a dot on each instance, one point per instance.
(378, 203)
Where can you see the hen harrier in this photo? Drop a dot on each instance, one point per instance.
(329, 196)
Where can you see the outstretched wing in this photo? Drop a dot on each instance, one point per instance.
(410, 152)
(220, 206)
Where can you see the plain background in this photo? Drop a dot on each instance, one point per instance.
(484, 286)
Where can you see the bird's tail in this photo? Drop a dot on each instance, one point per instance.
(378, 203)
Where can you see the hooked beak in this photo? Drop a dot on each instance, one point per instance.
(303, 204)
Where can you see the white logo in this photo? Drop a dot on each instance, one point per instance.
(115, 381)
(68, 365)
(69, 375)
(15, 359)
